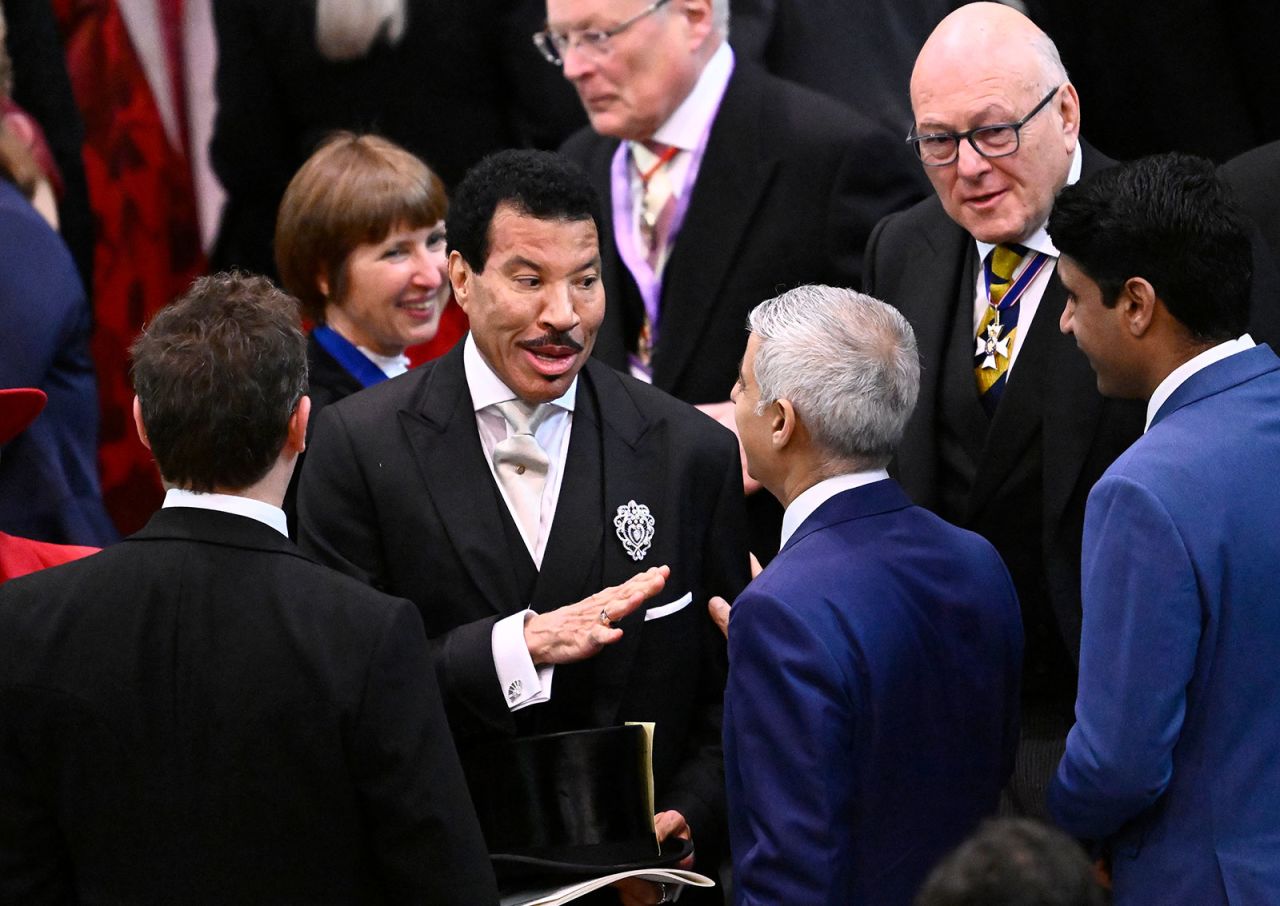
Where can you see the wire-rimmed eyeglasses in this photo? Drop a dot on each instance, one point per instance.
(938, 149)
(591, 41)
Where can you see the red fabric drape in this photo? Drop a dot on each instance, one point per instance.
(453, 327)
(147, 235)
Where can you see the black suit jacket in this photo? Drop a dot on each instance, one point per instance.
(1051, 414)
(1053, 434)
(200, 714)
(1169, 75)
(1255, 178)
(327, 382)
(789, 189)
(827, 45)
(397, 492)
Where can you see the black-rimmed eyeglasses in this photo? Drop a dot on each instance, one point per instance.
(593, 42)
(938, 149)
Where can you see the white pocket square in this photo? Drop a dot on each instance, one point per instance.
(664, 610)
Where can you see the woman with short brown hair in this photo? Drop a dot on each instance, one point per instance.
(360, 241)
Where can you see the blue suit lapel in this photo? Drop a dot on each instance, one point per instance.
(869, 500)
(1222, 375)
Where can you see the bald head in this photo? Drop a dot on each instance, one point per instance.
(984, 40)
(986, 63)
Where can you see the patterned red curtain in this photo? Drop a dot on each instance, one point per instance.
(148, 242)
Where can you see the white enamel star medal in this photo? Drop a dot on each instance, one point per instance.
(992, 344)
(634, 525)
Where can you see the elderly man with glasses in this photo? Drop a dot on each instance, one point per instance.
(724, 184)
(1010, 432)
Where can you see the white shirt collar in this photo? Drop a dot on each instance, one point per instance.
(1039, 241)
(1178, 376)
(813, 497)
(686, 126)
(390, 365)
(265, 513)
(487, 388)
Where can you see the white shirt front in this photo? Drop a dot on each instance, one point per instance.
(813, 497)
(523, 683)
(1029, 304)
(1179, 376)
(688, 127)
(487, 389)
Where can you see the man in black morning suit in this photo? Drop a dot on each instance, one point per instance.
(780, 186)
(200, 713)
(1019, 475)
(406, 487)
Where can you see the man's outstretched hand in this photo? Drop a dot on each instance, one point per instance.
(576, 632)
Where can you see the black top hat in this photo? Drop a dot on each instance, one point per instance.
(569, 804)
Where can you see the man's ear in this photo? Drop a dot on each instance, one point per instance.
(700, 18)
(460, 278)
(1069, 110)
(296, 439)
(782, 423)
(1138, 301)
(137, 423)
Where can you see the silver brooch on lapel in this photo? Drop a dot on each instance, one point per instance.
(634, 523)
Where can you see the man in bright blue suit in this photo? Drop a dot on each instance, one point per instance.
(870, 718)
(1172, 763)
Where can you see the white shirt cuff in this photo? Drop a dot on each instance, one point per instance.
(523, 684)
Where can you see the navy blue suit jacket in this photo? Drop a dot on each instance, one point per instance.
(1174, 752)
(871, 711)
(49, 486)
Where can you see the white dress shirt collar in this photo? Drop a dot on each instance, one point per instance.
(265, 513)
(390, 365)
(1039, 241)
(1178, 376)
(813, 497)
(487, 388)
(685, 127)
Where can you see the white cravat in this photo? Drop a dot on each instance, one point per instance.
(521, 464)
(522, 683)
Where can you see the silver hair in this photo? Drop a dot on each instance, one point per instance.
(346, 29)
(846, 361)
(1052, 72)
